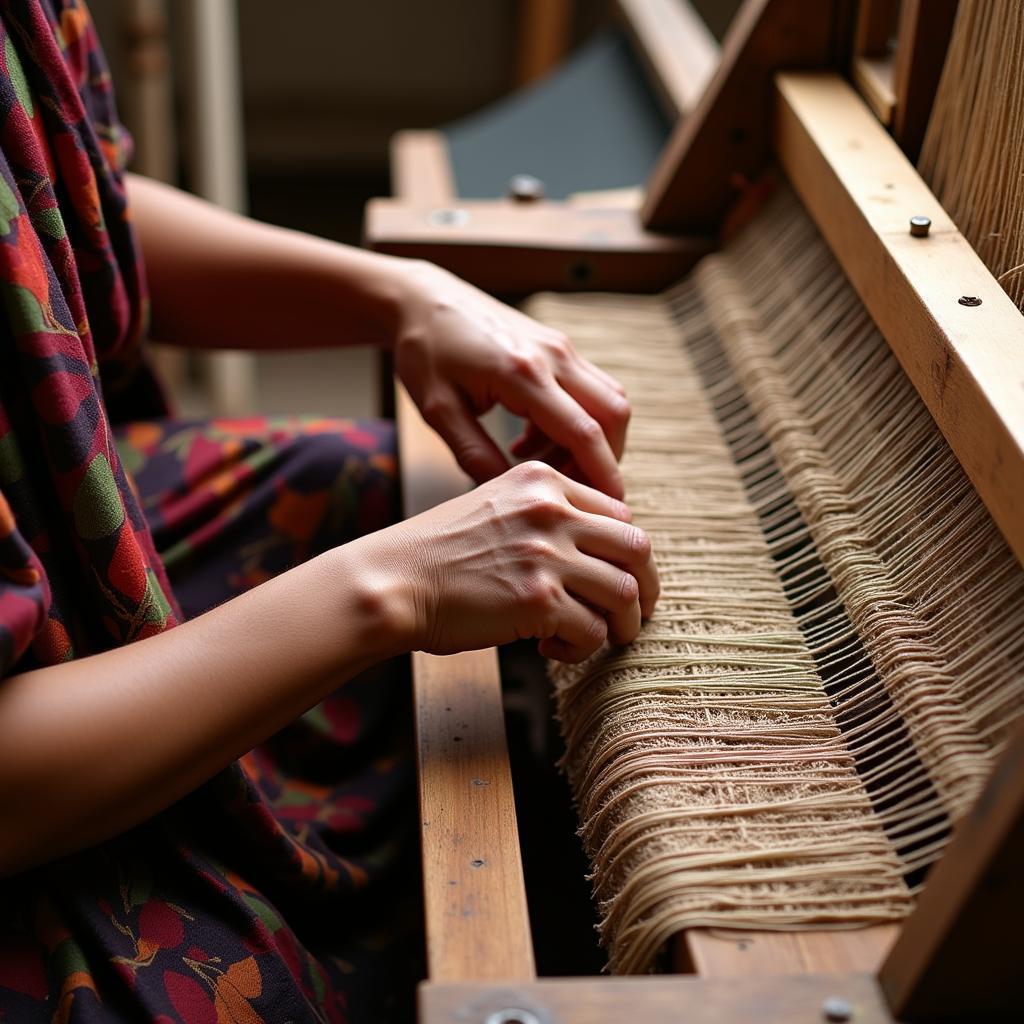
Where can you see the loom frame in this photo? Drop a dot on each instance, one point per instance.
(944, 959)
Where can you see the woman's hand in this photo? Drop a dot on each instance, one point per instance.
(529, 554)
(459, 352)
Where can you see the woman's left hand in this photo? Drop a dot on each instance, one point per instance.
(459, 352)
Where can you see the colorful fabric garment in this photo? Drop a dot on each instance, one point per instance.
(282, 889)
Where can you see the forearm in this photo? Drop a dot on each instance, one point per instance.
(221, 280)
(92, 747)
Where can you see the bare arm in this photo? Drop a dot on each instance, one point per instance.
(221, 280)
(92, 747)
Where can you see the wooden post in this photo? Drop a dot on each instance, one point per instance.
(921, 46)
(716, 153)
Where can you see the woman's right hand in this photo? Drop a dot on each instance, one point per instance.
(528, 554)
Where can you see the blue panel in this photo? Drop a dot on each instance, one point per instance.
(592, 124)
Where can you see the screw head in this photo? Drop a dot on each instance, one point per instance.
(836, 1009)
(969, 300)
(919, 226)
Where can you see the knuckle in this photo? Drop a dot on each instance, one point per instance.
(539, 593)
(597, 632)
(543, 509)
(587, 429)
(620, 410)
(530, 366)
(435, 410)
(638, 542)
(534, 472)
(629, 589)
(560, 347)
(535, 553)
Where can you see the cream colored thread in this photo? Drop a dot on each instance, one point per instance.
(714, 786)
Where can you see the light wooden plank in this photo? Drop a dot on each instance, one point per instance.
(725, 953)
(677, 47)
(967, 362)
(715, 154)
(873, 77)
(516, 249)
(477, 922)
(801, 999)
(959, 956)
(421, 170)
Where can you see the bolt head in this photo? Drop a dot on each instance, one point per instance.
(919, 226)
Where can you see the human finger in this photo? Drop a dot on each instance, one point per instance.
(610, 589)
(558, 415)
(624, 545)
(580, 632)
(608, 407)
(472, 446)
(589, 499)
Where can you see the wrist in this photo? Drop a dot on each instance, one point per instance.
(378, 596)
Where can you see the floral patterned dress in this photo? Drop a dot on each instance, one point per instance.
(285, 888)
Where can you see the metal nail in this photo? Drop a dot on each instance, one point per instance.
(919, 226)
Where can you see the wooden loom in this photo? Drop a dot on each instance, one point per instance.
(949, 959)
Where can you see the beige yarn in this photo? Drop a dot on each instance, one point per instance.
(839, 648)
(973, 153)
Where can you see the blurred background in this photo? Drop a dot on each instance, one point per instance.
(285, 111)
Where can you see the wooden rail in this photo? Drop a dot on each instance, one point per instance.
(966, 359)
(477, 923)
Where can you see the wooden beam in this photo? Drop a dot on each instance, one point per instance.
(801, 999)
(958, 957)
(676, 46)
(966, 360)
(517, 249)
(715, 154)
(724, 953)
(924, 31)
(421, 170)
(477, 922)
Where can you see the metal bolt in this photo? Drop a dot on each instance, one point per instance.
(969, 300)
(525, 188)
(836, 1009)
(919, 226)
(512, 1015)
